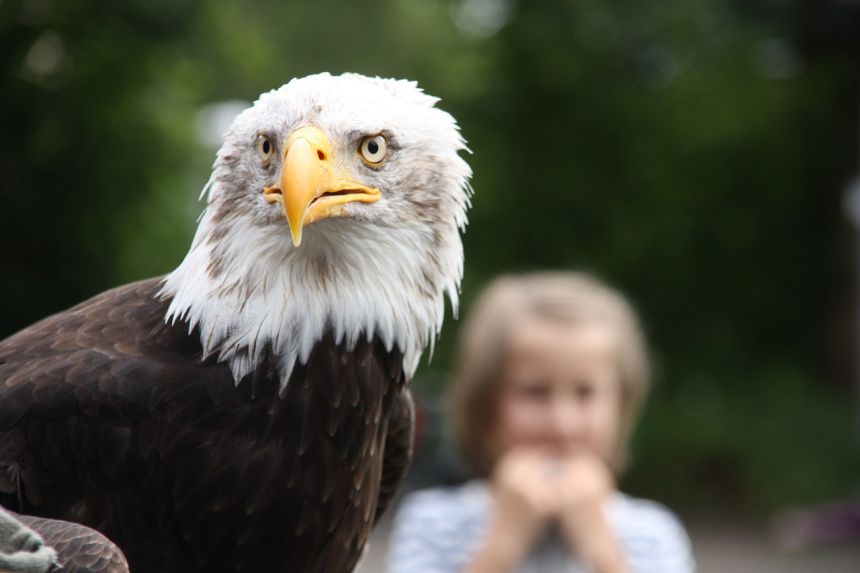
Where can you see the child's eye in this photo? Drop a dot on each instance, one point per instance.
(584, 391)
(535, 391)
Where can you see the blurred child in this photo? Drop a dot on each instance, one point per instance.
(551, 375)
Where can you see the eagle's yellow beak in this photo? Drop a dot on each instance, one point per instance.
(310, 189)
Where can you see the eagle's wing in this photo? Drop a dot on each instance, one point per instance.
(59, 376)
(399, 446)
(79, 549)
(22, 550)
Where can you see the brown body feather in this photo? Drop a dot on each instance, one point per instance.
(108, 417)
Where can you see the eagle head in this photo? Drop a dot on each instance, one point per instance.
(335, 205)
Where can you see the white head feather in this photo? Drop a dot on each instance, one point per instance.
(381, 270)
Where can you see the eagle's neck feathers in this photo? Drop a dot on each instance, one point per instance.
(248, 291)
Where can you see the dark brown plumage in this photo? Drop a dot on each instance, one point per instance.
(109, 418)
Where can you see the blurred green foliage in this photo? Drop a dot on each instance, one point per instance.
(692, 152)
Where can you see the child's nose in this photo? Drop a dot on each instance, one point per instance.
(565, 420)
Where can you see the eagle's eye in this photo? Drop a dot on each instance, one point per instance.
(373, 149)
(265, 149)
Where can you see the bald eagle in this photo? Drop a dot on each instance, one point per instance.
(250, 410)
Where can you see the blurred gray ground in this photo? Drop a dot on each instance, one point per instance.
(719, 546)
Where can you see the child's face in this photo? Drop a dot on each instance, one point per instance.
(561, 389)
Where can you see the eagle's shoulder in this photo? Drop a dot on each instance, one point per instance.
(101, 345)
(107, 322)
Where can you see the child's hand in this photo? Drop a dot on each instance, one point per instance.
(525, 501)
(586, 486)
(586, 483)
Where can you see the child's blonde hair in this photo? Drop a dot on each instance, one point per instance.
(565, 297)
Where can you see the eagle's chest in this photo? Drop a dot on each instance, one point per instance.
(259, 481)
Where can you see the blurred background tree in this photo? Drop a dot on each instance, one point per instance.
(693, 152)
